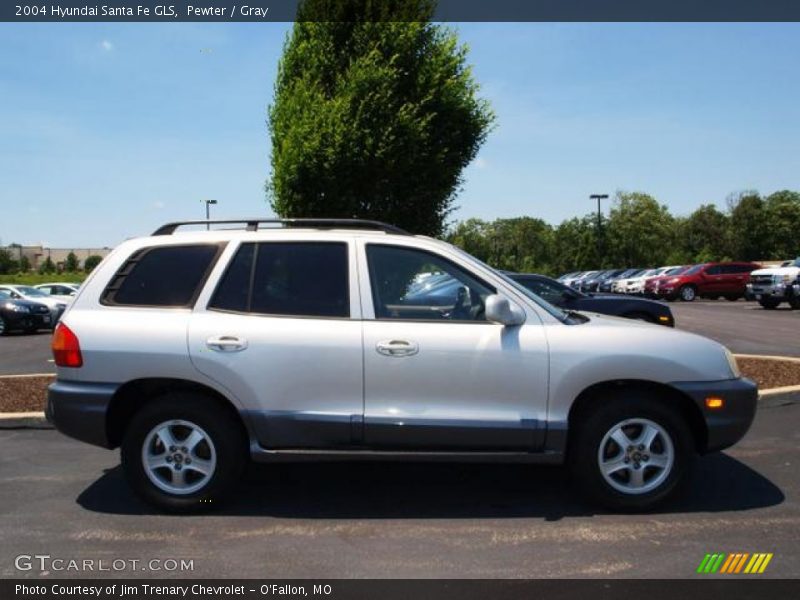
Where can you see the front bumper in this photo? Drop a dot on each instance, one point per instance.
(778, 290)
(79, 410)
(727, 425)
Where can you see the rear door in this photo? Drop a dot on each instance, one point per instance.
(282, 333)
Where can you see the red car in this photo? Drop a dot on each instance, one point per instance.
(652, 285)
(708, 280)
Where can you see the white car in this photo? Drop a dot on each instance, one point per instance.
(27, 292)
(196, 352)
(621, 285)
(635, 285)
(61, 290)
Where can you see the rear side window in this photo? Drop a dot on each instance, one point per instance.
(305, 279)
(162, 276)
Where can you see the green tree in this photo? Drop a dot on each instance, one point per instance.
(783, 224)
(7, 262)
(574, 244)
(749, 226)
(639, 232)
(24, 264)
(373, 119)
(705, 235)
(91, 262)
(47, 266)
(473, 236)
(71, 264)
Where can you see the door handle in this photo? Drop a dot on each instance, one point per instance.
(397, 348)
(226, 343)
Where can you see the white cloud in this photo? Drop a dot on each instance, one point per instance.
(106, 45)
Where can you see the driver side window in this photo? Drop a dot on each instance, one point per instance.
(409, 284)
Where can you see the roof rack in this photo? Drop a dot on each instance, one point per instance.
(253, 224)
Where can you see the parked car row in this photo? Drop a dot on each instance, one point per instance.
(31, 308)
(730, 280)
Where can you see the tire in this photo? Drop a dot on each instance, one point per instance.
(794, 302)
(732, 298)
(769, 303)
(3, 326)
(687, 293)
(180, 483)
(634, 415)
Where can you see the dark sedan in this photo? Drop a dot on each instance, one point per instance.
(22, 314)
(619, 306)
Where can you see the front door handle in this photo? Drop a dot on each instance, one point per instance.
(397, 348)
(226, 343)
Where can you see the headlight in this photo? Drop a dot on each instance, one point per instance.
(732, 364)
(17, 308)
(674, 280)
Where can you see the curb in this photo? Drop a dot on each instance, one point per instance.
(24, 420)
(769, 357)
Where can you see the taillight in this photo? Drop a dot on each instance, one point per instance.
(66, 348)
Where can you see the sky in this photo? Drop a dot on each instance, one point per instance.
(109, 130)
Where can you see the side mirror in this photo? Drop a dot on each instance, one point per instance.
(501, 310)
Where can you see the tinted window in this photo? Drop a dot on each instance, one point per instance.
(163, 276)
(715, 270)
(417, 285)
(302, 279)
(693, 270)
(233, 292)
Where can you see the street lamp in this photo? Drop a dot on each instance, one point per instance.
(208, 203)
(598, 197)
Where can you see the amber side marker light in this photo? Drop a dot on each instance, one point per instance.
(663, 319)
(66, 348)
(714, 403)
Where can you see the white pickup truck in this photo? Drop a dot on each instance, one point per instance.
(774, 285)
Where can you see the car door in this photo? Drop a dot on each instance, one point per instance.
(712, 281)
(282, 333)
(437, 375)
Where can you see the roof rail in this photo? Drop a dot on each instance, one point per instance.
(253, 224)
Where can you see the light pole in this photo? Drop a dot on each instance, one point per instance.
(599, 197)
(208, 203)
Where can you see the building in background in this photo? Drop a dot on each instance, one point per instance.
(37, 255)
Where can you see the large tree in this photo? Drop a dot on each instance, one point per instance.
(783, 223)
(376, 114)
(640, 232)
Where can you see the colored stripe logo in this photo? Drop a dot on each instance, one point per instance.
(735, 563)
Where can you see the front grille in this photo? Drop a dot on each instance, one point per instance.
(761, 279)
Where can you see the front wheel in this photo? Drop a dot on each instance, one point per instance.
(183, 453)
(769, 303)
(688, 293)
(3, 326)
(630, 454)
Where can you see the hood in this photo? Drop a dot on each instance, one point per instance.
(21, 302)
(777, 271)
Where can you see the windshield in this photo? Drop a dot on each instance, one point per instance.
(4, 295)
(676, 271)
(553, 310)
(29, 291)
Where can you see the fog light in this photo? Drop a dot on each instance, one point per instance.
(714, 403)
(664, 319)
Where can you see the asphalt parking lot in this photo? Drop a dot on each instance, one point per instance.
(69, 500)
(744, 327)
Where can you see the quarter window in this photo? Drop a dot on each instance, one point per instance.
(417, 285)
(162, 276)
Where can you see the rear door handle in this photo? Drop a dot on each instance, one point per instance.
(397, 348)
(226, 343)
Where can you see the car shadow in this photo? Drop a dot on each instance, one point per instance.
(371, 490)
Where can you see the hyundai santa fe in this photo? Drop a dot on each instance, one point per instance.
(196, 351)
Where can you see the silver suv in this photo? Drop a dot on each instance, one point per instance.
(195, 351)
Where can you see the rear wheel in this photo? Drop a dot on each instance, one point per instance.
(732, 298)
(769, 303)
(630, 454)
(3, 326)
(688, 293)
(183, 452)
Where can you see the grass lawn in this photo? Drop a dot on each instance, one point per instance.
(36, 278)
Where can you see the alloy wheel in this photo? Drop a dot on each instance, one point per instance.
(636, 456)
(179, 457)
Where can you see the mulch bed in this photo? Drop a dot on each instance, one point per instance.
(27, 394)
